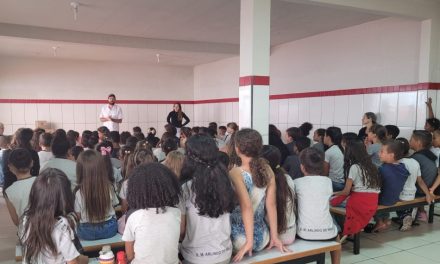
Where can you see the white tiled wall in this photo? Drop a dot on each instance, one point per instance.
(85, 116)
(407, 110)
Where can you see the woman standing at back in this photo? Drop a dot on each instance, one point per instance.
(176, 117)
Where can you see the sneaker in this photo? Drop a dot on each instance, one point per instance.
(406, 223)
(422, 216)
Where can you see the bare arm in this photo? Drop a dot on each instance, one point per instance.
(182, 227)
(116, 120)
(129, 249)
(12, 212)
(347, 188)
(325, 168)
(425, 189)
(429, 106)
(246, 211)
(104, 119)
(81, 259)
(435, 184)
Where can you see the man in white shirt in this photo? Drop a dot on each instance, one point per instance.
(111, 114)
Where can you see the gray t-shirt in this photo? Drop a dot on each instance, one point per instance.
(66, 166)
(63, 237)
(355, 174)
(18, 194)
(335, 158)
(207, 240)
(373, 150)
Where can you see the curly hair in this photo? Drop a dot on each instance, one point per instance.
(210, 180)
(283, 193)
(356, 154)
(153, 185)
(249, 142)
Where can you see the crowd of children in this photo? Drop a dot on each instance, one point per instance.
(212, 194)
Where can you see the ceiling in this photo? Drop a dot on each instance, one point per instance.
(186, 32)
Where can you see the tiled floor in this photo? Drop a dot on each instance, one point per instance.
(421, 245)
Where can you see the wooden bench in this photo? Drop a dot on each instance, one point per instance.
(88, 246)
(403, 205)
(301, 252)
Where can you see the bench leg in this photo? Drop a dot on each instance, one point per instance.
(357, 243)
(431, 213)
(320, 259)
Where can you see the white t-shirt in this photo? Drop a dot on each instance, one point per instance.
(436, 152)
(18, 194)
(155, 235)
(123, 191)
(207, 240)
(44, 156)
(62, 236)
(65, 165)
(80, 207)
(409, 189)
(355, 174)
(290, 213)
(314, 220)
(115, 112)
(335, 158)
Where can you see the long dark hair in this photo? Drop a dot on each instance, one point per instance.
(335, 134)
(93, 184)
(210, 181)
(179, 113)
(356, 154)
(250, 143)
(49, 199)
(283, 194)
(106, 149)
(153, 185)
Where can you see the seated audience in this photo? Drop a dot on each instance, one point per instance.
(334, 158)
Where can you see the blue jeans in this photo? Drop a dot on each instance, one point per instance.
(107, 229)
(338, 186)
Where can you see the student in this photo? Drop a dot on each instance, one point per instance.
(435, 143)
(167, 146)
(152, 231)
(347, 138)
(221, 132)
(285, 194)
(94, 198)
(305, 129)
(114, 175)
(292, 133)
(21, 139)
(275, 140)
(292, 164)
(334, 158)
(368, 120)
(4, 146)
(103, 134)
(231, 128)
(45, 154)
(362, 188)
(174, 162)
(393, 175)
(185, 134)
(47, 229)
(420, 142)
(131, 161)
(17, 195)
(35, 141)
(208, 199)
(409, 189)
(74, 152)
(115, 138)
(254, 185)
(60, 148)
(392, 131)
(376, 135)
(124, 135)
(318, 137)
(72, 137)
(313, 192)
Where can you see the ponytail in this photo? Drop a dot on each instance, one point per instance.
(260, 175)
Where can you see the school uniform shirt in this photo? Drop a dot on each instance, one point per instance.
(373, 150)
(63, 237)
(335, 158)
(393, 177)
(207, 240)
(429, 170)
(436, 152)
(314, 221)
(65, 165)
(319, 146)
(289, 235)
(155, 235)
(114, 112)
(18, 194)
(44, 156)
(80, 206)
(409, 189)
(359, 185)
(123, 191)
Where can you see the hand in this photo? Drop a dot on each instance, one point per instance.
(429, 198)
(246, 248)
(431, 191)
(429, 102)
(276, 242)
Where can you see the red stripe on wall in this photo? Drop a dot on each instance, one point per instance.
(370, 90)
(254, 80)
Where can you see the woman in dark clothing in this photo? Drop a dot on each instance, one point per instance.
(176, 117)
(368, 120)
(22, 139)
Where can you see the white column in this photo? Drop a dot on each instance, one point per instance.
(254, 65)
